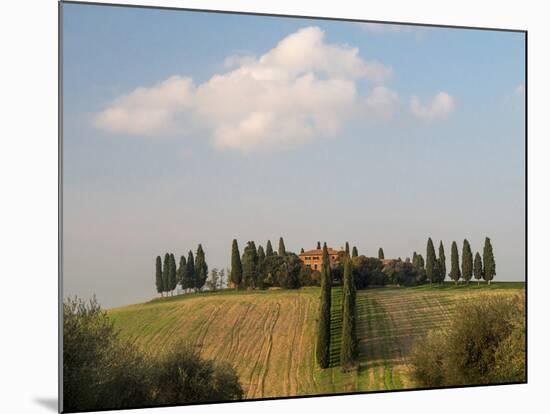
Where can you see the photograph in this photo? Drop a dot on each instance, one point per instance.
(262, 206)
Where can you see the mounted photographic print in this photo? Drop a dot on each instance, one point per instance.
(259, 206)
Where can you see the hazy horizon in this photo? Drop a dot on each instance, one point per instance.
(183, 128)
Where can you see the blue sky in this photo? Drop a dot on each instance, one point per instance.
(371, 167)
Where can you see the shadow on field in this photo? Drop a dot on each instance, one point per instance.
(335, 327)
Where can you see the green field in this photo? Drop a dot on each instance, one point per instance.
(269, 336)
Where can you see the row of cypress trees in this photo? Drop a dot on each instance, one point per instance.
(323, 330)
(348, 348)
(190, 275)
(470, 266)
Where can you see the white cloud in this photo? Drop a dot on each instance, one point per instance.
(150, 111)
(382, 102)
(303, 89)
(440, 106)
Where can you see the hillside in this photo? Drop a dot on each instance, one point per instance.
(269, 336)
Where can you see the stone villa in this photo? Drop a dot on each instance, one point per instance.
(314, 258)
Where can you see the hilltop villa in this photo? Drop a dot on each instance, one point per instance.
(314, 258)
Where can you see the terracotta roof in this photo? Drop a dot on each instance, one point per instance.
(319, 252)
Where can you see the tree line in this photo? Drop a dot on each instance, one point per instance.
(371, 271)
(471, 266)
(191, 274)
(259, 268)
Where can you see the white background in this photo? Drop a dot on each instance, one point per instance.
(28, 204)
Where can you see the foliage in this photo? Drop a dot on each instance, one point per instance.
(347, 249)
(236, 265)
(354, 252)
(309, 277)
(282, 249)
(381, 253)
(101, 371)
(367, 271)
(489, 266)
(259, 264)
(442, 263)
(166, 273)
(455, 268)
(322, 350)
(318, 245)
(282, 271)
(268, 249)
(158, 275)
(430, 262)
(250, 265)
(190, 271)
(180, 274)
(478, 268)
(173, 279)
(201, 268)
(348, 349)
(418, 263)
(214, 282)
(183, 377)
(487, 339)
(467, 262)
(400, 273)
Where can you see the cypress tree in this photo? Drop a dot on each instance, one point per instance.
(158, 276)
(190, 271)
(478, 268)
(455, 268)
(415, 258)
(437, 269)
(442, 263)
(201, 268)
(354, 252)
(181, 272)
(323, 331)
(259, 268)
(348, 350)
(173, 275)
(282, 250)
(420, 260)
(381, 254)
(489, 265)
(249, 264)
(430, 262)
(166, 273)
(301, 250)
(318, 245)
(467, 261)
(261, 255)
(268, 249)
(347, 249)
(236, 266)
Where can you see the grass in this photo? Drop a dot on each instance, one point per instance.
(269, 336)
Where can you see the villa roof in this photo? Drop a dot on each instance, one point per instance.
(319, 252)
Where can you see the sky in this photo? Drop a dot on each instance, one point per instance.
(182, 128)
